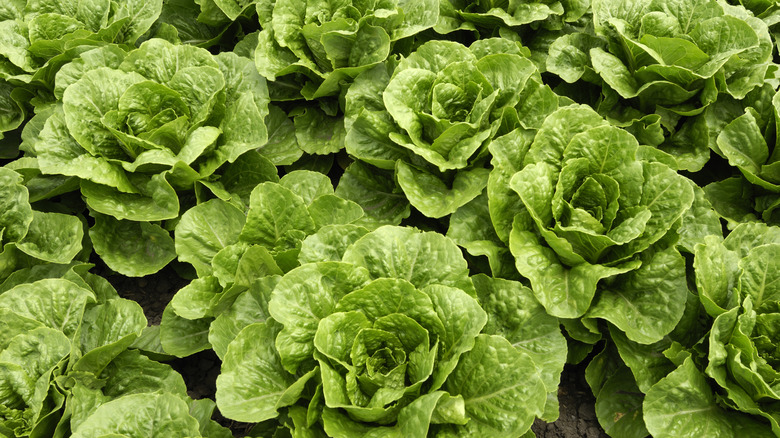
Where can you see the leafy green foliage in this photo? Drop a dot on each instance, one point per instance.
(331, 43)
(387, 337)
(391, 247)
(464, 97)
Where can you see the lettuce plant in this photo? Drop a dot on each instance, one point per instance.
(490, 14)
(744, 133)
(383, 342)
(29, 236)
(66, 367)
(231, 249)
(168, 116)
(660, 64)
(737, 283)
(743, 355)
(591, 210)
(437, 141)
(39, 37)
(323, 45)
(56, 322)
(675, 56)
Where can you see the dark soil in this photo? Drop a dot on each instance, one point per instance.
(577, 415)
(577, 409)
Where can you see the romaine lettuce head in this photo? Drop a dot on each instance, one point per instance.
(744, 133)
(432, 116)
(727, 387)
(325, 44)
(38, 37)
(590, 210)
(234, 252)
(67, 367)
(30, 237)
(491, 14)
(743, 357)
(382, 341)
(137, 127)
(668, 55)
(56, 321)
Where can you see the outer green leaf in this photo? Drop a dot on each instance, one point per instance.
(36, 352)
(514, 313)
(129, 373)
(511, 384)
(57, 303)
(206, 229)
(16, 215)
(282, 146)
(134, 249)
(253, 380)
(108, 330)
(716, 275)
(249, 170)
(141, 415)
(318, 133)
(12, 324)
(248, 308)
(467, 229)
(182, 337)
(698, 222)
(421, 258)
(155, 200)
(307, 184)
(374, 190)
(246, 106)
(743, 144)
(329, 243)
(141, 15)
(13, 113)
(233, 8)
(275, 215)
(333, 210)
(53, 237)
(646, 303)
(646, 362)
(429, 194)
(569, 55)
(619, 406)
(195, 300)
(760, 276)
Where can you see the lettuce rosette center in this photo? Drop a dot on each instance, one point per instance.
(379, 356)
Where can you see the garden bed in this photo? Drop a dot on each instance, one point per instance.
(200, 370)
